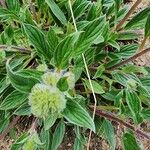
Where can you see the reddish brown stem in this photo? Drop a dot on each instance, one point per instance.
(142, 44)
(112, 117)
(130, 59)
(10, 126)
(119, 25)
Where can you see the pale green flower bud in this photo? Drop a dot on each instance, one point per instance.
(51, 78)
(45, 99)
(42, 67)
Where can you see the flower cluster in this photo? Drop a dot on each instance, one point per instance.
(45, 98)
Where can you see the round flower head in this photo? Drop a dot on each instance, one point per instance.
(70, 79)
(45, 99)
(51, 78)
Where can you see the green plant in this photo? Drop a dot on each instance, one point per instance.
(70, 63)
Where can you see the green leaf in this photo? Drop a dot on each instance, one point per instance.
(5, 13)
(13, 100)
(64, 51)
(36, 138)
(78, 145)
(57, 11)
(38, 40)
(114, 44)
(127, 50)
(13, 5)
(58, 135)
(62, 84)
(138, 20)
(77, 115)
(4, 122)
(134, 69)
(91, 32)
(30, 73)
(3, 85)
(147, 27)
(129, 142)
(50, 120)
(20, 82)
(24, 110)
(52, 39)
(134, 104)
(104, 128)
(99, 71)
(79, 8)
(109, 134)
(18, 143)
(127, 35)
(96, 86)
(145, 113)
(46, 137)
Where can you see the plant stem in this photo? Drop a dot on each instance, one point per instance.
(129, 59)
(88, 74)
(119, 25)
(20, 49)
(10, 126)
(142, 44)
(112, 117)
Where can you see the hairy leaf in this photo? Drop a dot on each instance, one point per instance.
(77, 115)
(138, 20)
(13, 100)
(57, 11)
(64, 51)
(58, 135)
(20, 82)
(129, 142)
(134, 104)
(89, 34)
(38, 40)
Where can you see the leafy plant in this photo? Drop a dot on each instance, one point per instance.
(70, 63)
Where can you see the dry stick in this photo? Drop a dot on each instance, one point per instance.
(20, 49)
(33, 126)
(142, 44)
(11, 125)
(112, 117)
(119, 25)
(88, 74)
(129, 59)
